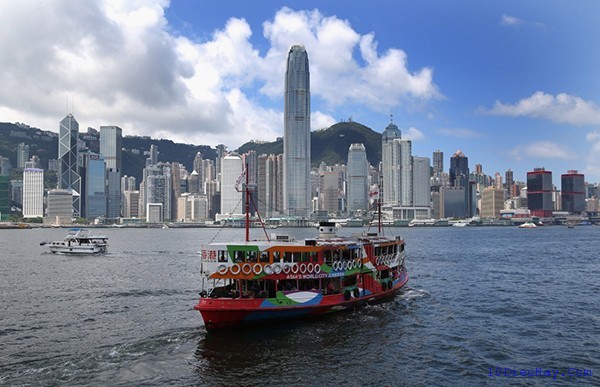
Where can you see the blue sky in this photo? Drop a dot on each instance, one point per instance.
(513, 84)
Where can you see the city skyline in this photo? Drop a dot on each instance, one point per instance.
(511, 85)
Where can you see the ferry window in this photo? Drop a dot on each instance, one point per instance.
(264, 256)
(252, 256)
(401, 247)
(298, 257)
(276, 256)
(304, 257)
(222, 256)
(346, 255)
(327, 257)
(378, 251)
(287, 257)
(313, 256)
(239, 256)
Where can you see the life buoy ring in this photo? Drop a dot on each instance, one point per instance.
(303, 268)
(268, 270)
(317, 268)
(222, 269)
(347, 295)
(246, 268)
(257, 268)
(286, 269)
(334, 265)
(235, 269)
(378, 260)
(277, 268)
(358, 262)
(310, 267)
(295, 268)
(356, 293)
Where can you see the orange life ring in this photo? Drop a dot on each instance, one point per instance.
(235, 269)
(246, 268)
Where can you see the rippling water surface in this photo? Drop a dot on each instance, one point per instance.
(480, 301)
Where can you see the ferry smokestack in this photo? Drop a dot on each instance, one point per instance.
(327, 230)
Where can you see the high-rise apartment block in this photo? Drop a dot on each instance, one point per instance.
(33, 193)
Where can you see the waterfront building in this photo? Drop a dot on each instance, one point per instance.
(573, 192)
(421, 182)
(154, 213)
(4, 198)
(33, 193)
(357, 174)
(192, 208)
(68, 156)
(296, 140)
(157, 189)
(452, 202)
(198, 167)
(231, 198)
(131, 204)
(60, 207)
(22, 155)
(539, 192)
(492, 202)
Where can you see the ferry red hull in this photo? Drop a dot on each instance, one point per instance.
(220, 313)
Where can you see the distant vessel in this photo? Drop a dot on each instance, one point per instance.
(528, 225)
(79, 241)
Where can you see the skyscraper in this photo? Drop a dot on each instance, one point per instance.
(296, 139)
(421, 182)
(95, 183)
(459, 170)
(539, 192)
(231, 199)
(438, 162)
(111, 146)
(68, 155)
(389, 172)
(357, 175)
(111, 150)
(573, 192)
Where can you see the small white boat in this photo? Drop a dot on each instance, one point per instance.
(528, 225)
(79, 241)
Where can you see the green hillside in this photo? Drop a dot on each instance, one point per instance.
(330, 145)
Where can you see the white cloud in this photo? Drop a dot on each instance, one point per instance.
(122, 64)
(562, 108)
(507, 20)
(542, 150)
(413, 134)
(320, 120)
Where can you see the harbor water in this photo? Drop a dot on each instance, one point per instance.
(483, 306)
